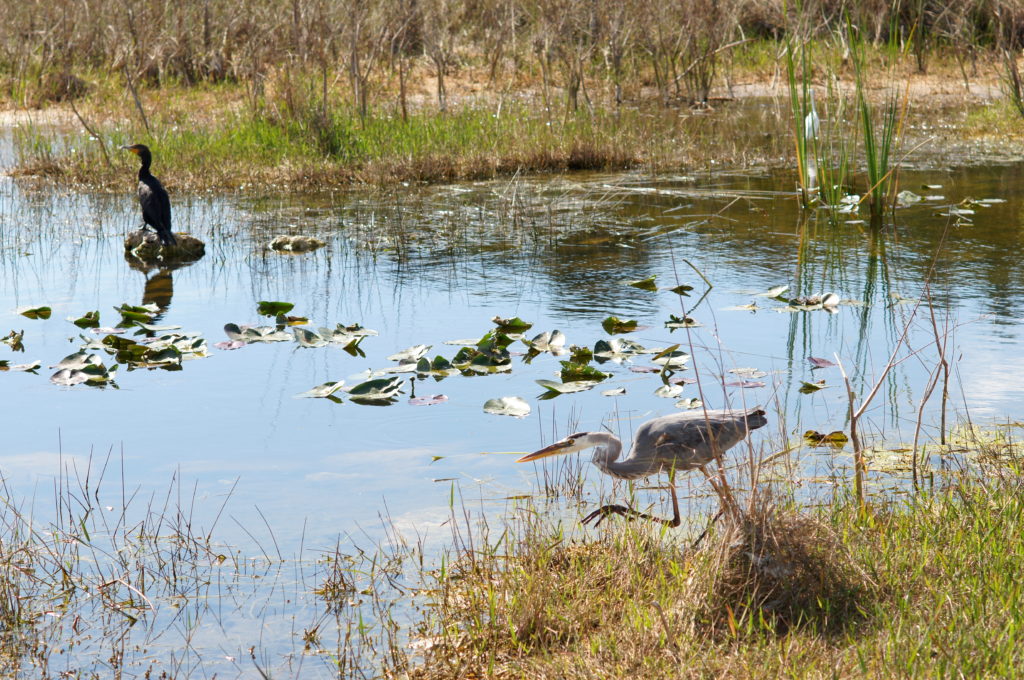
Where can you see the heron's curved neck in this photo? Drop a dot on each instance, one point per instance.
(606, 455)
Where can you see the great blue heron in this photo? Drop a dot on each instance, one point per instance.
(156, 206)
(679, 441)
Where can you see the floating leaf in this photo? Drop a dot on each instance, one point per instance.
(79, 360)
(327, 389)
(820, 363)
(132, 314)
(673, 360)
(645, 284)
(744, 384)
(815, 438)
(614, 325)
(680, 380)
(617, 348)
(907, 197)
(513, 325)
(774, 292)
(381, 389)
(572, 371)
(646, 369)
(68, 377)
(284, 320)
(681, 289)
(752, 307)
(412, 354)
(5, 365)
(267, 308)
(428, 401)
(615, 392)
(307, 338)
(555, 387)
(898, 299)
(507, 406)
(669, 391)
(810, 387)
(692, 402)
(581, 355)
(681, 322)
(87, 320)
(548, 341)
(464, 342)
(13, 339)
(747, 372)
(229, 345)
(439, 367)
(35, 312)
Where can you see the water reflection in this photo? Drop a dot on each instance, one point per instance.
(430, 264)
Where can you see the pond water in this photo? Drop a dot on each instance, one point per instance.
(428, 264)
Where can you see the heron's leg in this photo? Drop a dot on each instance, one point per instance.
(629, 513)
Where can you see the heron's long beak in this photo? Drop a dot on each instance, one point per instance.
(553, 449)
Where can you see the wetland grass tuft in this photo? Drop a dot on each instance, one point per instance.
(828, 592)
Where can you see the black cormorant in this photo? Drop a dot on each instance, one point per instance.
(156, 206)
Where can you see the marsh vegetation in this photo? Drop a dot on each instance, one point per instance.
(438, 229)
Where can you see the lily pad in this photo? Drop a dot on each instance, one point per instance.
(815, 438)
(613, 325)
(618, 348)
(87, 320)
(691, 402)
(554, 387)
(645, 284)
(681, 289)
(673, 360)
(572, 371)
(669, 391)
(5, 365)
(548, 341)
(410, 355)
(229, 345)
(507, 406)
(681, 322)
(817, 362)
(14, 341)
(747, 372)
(774, 292)
(378, 390)
(811, 387)
(307, 338)
(323, 391)
(513, 325)
(268, 308)
(614, 392)
(430, 400)
(35, 312)
(132, 314)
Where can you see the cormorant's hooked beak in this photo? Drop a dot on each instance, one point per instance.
(134, 148)
(564, 446)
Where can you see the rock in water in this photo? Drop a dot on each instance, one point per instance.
(145, 245)
(295, 244)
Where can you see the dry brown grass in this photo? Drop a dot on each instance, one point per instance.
(543, 603)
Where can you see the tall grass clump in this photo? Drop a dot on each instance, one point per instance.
(882, 136)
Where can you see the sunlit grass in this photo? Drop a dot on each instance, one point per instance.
(922, 588)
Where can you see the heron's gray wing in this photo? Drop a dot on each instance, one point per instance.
(688, 440)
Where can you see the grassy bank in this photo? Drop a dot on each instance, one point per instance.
(301, 130)
(926, 587)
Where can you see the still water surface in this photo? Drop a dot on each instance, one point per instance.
(424, 265)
